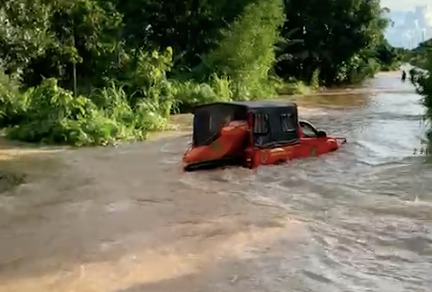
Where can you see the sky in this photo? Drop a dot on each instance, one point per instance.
(404, 4)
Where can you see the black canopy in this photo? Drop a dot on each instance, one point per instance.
(275, 123)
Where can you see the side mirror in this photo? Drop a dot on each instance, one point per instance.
(321, 134)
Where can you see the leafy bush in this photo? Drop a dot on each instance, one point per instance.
(422, 79)
(293, 87)
(12, 102)
(135, 121)
(53, 115)
(356, 69)
(189, 93)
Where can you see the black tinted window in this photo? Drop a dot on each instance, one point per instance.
(287, 123)
(261, 125)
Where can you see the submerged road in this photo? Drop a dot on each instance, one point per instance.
(128, 219)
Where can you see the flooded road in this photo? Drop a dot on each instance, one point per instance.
(127, 219)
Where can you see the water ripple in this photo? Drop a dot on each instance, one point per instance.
(367, 207)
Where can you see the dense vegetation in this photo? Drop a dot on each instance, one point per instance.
(421, 57)
(89, 72)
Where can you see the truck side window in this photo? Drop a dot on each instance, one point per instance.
(261, 124)
(308, 130)
(287, 123)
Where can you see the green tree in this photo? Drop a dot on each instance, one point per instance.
(246, 53)
(24, 33)
(116, 57)
(337, 37)
(84, 44)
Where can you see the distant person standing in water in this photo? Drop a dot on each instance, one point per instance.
(403, 76)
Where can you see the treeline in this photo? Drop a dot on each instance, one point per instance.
(89, 72)
(420, 55)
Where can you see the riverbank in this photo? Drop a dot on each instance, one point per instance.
(181, 124)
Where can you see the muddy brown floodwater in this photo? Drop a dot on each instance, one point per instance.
(128, 219)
